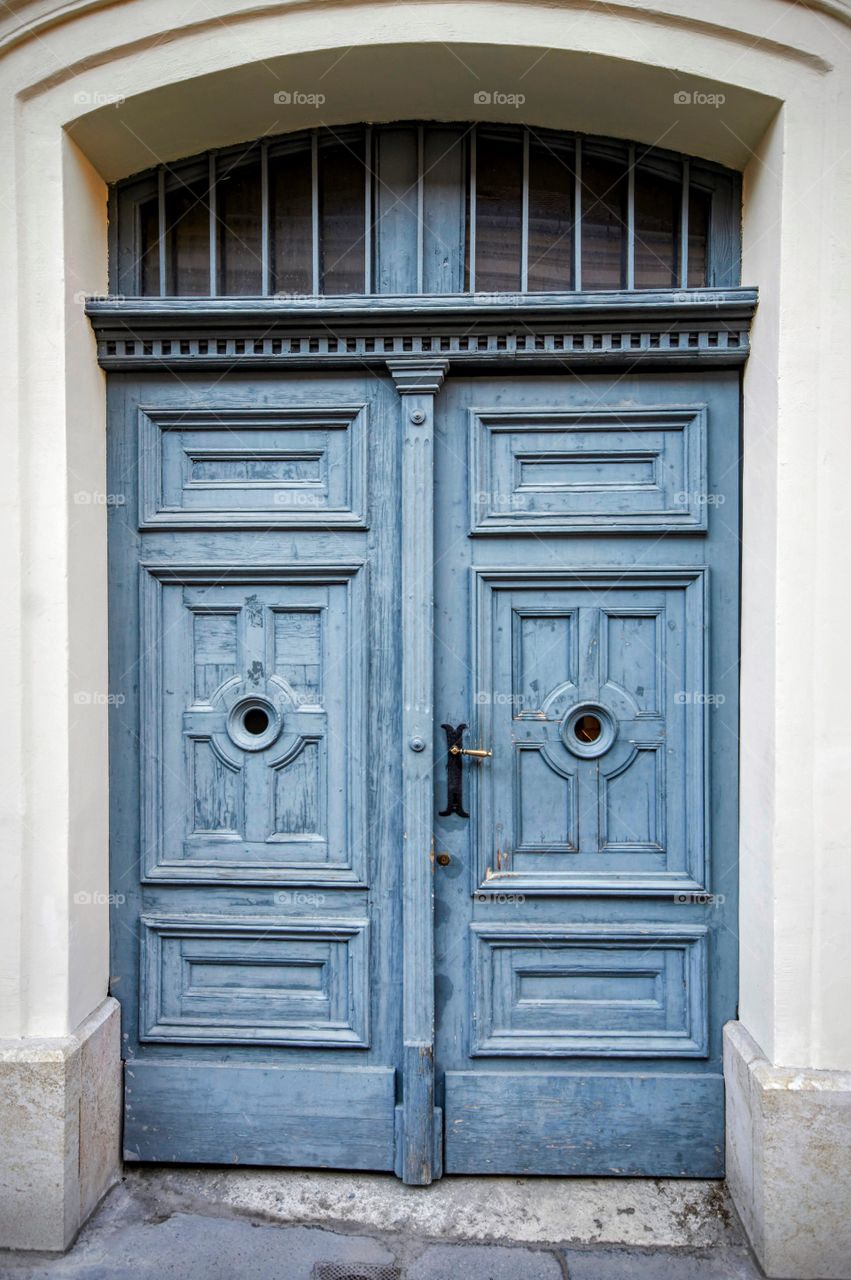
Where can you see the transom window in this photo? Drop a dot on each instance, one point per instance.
(426, 209)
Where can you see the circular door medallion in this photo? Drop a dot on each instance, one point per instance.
(253, 723)
(588, 730)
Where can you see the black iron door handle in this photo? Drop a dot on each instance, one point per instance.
(455, 770)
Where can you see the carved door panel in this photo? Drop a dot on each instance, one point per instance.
(256, 767)
(586, 634)
(597, 769)
(262, 726)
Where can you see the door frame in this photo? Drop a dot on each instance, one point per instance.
(418, 341)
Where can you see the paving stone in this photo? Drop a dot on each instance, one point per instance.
(196, 1247)
(482, 1262)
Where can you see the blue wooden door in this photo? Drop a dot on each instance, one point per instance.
(273, 645)
(586, 588)
(256, 766)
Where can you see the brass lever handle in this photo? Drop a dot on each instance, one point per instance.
(478, 753)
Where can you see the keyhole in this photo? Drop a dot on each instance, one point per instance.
(255, 721)
(587, 728)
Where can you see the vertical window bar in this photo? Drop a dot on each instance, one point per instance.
(314, 161)
(420, 207)
(265, 262)
(112, 228)
(577, 216)
(684, 228)
(472, 233)
(161, 228)
(524, 218)
(214, 240)
(630, 218)
(367, 211)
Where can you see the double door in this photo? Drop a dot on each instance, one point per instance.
(424, 768)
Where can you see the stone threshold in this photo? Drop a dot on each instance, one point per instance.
(673, 1213)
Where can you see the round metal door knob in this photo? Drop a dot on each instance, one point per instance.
(443, 859)
(417, 744)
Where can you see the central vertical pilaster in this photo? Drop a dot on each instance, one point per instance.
(418, 382)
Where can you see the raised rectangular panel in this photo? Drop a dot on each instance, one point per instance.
(539, 472)
(239, 468)
(632, 803)
(219, 981)
(622, 991)
(215, 650)
(546, 806)
(589, 470)
(216, 792)
(298, 652)
(229, 469)
(632, 649)
(628, 819)
(545, 654)
(556, 1122)
(300, 795)
(219, 804)
(262, 1113)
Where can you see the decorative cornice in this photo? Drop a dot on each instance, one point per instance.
(659, 327)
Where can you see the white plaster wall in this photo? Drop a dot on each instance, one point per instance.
(762, 198)
(193, 79)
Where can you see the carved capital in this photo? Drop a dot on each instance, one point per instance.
(418, 376)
